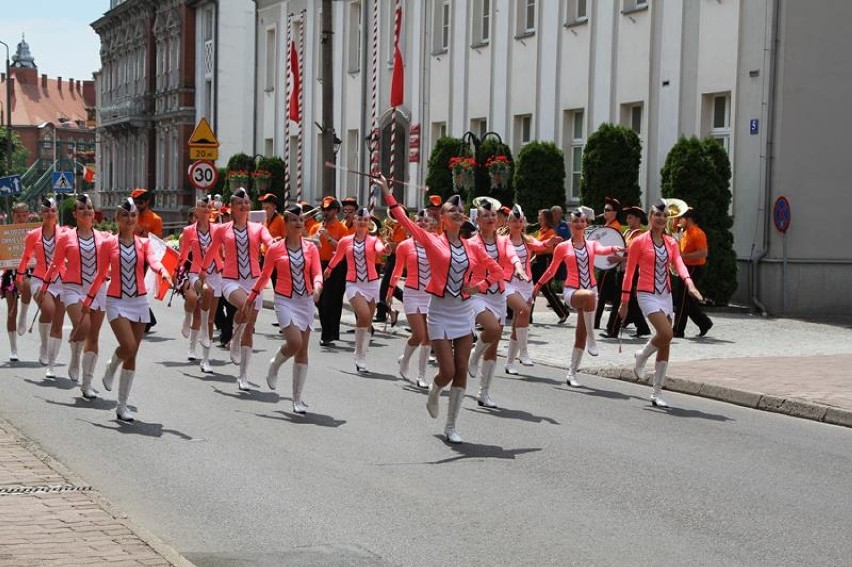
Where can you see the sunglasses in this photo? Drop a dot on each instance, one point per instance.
(606, 210)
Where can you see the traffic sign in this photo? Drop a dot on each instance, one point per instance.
(781, 214)
(63, 181)
(203, 175)
(204, 153)
(10, 185)
(203, 136)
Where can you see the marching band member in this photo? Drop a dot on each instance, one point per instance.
(580, 286)
(202, 297)
(636, 218)
(76, 260)
(451, 318)
(241, 240)
(125, 257)
(654, 252)
(16, 318)
(41, 243)
(411, 257)
(297, 289)
(490, 307)
(519, 291)
(327, 235)
(362, 280)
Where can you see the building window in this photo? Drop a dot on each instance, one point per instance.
(526, 17)
(631, 116)
(441, 27)
(353, 54)
(439, 130)
(523, 130)
(634, 6)
(479, 126)
(481, 22)
(717, 110)
(574, 139)
(577, 12)
(270, 59)
(208, 25)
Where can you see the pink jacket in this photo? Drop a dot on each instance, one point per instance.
(564, 252)
(534, 246)
(406, 259)
(507, 257)
(109, 260)
(224, 236)
(373, 247)
(641, 254)
(189, 243)
(66, 257)
(34, 246)
(278, 258)
(438, 251)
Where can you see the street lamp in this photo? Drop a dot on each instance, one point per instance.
(8, 112)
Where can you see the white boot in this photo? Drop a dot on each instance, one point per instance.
(236, 340)
(432, 400)
(205, 359)
(300, 374)
(245, 358)
(476, 356)
(362, 340)
(187, 322)
(53, 345)
(642, 355)
(576, 358)
(22, 318)
(109, 373)
(453, 409)
(659, 381)
(422, 364)
(205, 328)
(405, 359)
(13, 346)
(591, 342)
(125, 381)
(88, 367)
(511, 367)
(483, 398)
(43, 334)
(523, 335)
(193, 342)
(274, 364)
(74, 365)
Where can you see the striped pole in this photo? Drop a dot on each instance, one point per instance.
(299, 152)
(287, 187)
(396, 31)
(374, 85)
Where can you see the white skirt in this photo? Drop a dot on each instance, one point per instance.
(74, 293)
(367, 290)
(493, 302)
(213, 281)
(54, 289)
(654, 303)
(297, 310)
(245, 284)
(449, 317)
(416, 301)
(568, 293)
(134, 309)
(522, 288)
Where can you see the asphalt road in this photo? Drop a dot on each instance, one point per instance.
(559, 476)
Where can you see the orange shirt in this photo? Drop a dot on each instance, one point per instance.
(149, 222)
(615, 224)
(310, 223)
(336, 230)
(545, 234)
(693, 240)
(276, 229)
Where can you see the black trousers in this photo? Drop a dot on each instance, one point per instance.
(617, 276)
(331, 302)
(686, 307)
(609, 291)
(224, 320)
(381, 306)
(538, 267)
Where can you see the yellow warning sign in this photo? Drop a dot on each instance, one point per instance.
(203, 136)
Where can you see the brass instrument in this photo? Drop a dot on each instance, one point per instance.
(675, 209)
(313, 212)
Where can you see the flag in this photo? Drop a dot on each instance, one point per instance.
(398, 77)
(88, 174)
(295, 92)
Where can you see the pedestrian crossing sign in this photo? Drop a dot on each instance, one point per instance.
(63, 181)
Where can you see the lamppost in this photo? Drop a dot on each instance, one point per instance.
(8, 112)
(471, 139)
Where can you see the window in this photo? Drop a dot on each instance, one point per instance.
(208, 25)
(631, 116)
(270, 59)
(354, 52)
(574, 139)
(479, 126)
(439, 130)
(481, 22)
(717, 121)
(441, 27)
(634, 6)
(523, 129)
(526, 17)
(577, 12)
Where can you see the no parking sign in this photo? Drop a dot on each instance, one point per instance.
(781, 214)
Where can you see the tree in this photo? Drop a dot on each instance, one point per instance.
(439, 178)
(699, 172)
(488, 149)
(611, 159)
(539, 177)
(20, 155)
(275, 166)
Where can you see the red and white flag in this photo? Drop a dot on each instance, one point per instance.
(88, 174)
(398, 78)
(296, 79)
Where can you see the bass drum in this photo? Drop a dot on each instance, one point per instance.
(607, 236)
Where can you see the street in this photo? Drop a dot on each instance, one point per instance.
(558, 476)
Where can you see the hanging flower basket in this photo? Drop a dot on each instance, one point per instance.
(499, 170)
(262, 180)
(238, 178)
(463, 169)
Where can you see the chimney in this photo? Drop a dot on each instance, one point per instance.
(44, 80)
(2, 76)
(59, 83)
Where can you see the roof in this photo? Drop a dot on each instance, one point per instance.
(38, 99)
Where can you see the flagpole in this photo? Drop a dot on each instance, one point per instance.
(299, 154)
(374, 72)
(289, 39)
(394, 103)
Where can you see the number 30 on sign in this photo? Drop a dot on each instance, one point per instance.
(203, 175)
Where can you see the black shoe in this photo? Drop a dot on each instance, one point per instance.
(326, 343)
(561, 319)
(705, 330)
(606, 335)
(678, 335)
(380, 319)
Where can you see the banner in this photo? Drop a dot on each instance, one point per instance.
(12, 243)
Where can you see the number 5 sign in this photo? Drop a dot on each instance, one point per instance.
(203, 175)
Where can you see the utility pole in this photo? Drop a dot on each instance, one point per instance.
(329, 175)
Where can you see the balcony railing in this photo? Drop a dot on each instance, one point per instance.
(125, 109)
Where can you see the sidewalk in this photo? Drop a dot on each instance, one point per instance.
(50, 517)
(789, 366)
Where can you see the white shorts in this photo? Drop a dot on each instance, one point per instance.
(75, 293)
(449, 317)
(654, 303)
(54, 289)
(230, 286)
(298, 310)
(568, 293)
(493, 302)
(367, 290)
(213, 281)
(522, 288)
(416, 301)
(134, 309)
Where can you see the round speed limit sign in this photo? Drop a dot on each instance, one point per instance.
(203, 175)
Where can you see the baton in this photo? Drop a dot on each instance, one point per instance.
(35, 316)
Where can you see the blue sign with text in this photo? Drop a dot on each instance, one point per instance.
(754, 126)
(10, 185)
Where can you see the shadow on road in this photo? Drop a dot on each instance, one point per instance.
(256, 395)
(536, 379)
(309, 418)
(155, 430)
(513, 414)
(480, 451)
(608, 394)
(211, 377)
(82, 403)
(58, 383)
(22, 364)
(177, 363)
(689, 413)
(372, 376)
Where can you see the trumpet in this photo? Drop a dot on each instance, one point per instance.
(675, 209)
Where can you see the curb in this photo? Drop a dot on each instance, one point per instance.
(160, 547)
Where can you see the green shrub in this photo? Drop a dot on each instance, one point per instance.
(539, 177)
(439, 178)
(489, 148)
(611, 159)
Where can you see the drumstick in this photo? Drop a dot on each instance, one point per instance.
(371, 176)
(38, 310)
